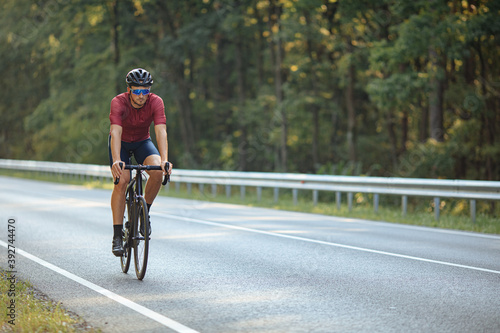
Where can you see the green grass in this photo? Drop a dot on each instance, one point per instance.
(454, 214)
(33, 311)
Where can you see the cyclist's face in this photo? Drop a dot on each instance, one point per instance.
(139, 100)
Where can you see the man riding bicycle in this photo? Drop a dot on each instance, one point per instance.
(131, 115)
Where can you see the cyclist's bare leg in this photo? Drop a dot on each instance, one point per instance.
(118, 198)
(155, 177)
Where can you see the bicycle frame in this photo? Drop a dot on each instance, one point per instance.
(137, 192)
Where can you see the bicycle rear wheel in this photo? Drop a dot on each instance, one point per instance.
(127, 236)
(140, 242)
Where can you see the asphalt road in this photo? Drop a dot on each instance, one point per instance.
(226, 268)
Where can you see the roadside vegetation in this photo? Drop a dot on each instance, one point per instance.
(33, 311)
(454, 214)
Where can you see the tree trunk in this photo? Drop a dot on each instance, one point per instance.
(240, 70)
(260, 47)
(182, 94)
(284, 120)
(315, 137)
(351, 111)
(487, 117)
(185, 108)
(392, 138)
(423, 123)
(115, 47)
(315, 109)
(404, 132)
(275, 11)
(436, 99)
(333, 136)
(423, 130)
(220, 86)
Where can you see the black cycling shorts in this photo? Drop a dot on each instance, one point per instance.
(140, 150)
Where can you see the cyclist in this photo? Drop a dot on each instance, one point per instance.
(131, 115)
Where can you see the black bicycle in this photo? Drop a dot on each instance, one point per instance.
(136, 221)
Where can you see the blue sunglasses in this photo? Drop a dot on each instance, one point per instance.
(140, 91)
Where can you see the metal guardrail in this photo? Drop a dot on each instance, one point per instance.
(435, 188)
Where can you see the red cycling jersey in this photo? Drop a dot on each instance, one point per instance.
(136, 122)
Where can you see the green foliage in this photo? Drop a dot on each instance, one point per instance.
(353, 74)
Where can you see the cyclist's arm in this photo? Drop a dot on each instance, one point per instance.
(162, 142)
(116, 141)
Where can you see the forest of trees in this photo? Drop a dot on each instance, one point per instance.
(356, 87)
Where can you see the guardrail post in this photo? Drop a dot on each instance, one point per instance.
(242, 192)
(276, 194)
(404, 204)
(349, 201)
(315, 197)
(214, 190)
(295, 192)
(259, 193)
(473, 210)
(437, 203)
(375, 202)
(201, 187)
(228, 191)
(338, 198)
(177, 187)
(189, 188)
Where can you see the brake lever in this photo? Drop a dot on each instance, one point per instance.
(166, 179)
(117, 180)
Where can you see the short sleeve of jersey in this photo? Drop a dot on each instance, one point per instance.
(158, 111)
(117, 111)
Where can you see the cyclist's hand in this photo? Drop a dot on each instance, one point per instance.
(117, 169)
(169, 171)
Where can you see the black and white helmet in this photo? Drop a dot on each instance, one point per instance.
(139, 77)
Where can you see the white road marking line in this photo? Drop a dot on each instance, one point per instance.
(170, 323)
(188, 219)
(194, 204)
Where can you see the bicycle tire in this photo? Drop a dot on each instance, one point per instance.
(128, 218)
(140, 242)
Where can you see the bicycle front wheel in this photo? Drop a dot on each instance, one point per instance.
(141, 238)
